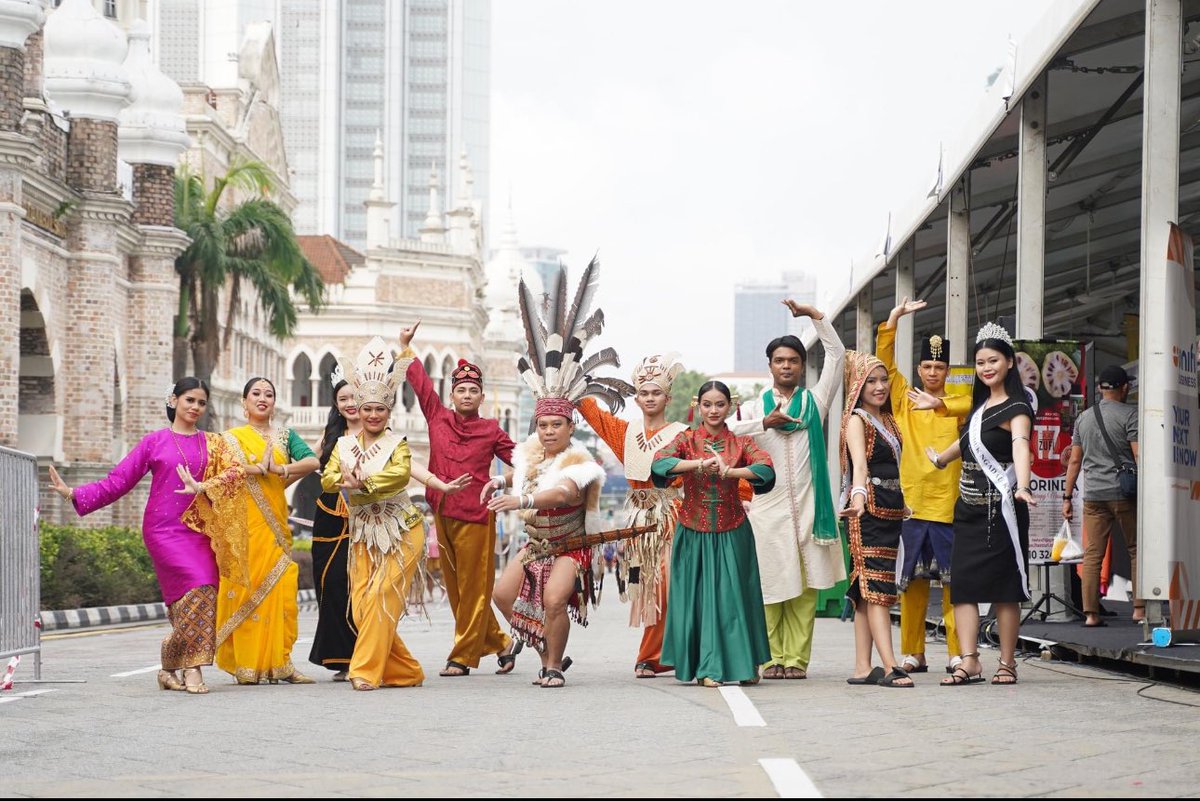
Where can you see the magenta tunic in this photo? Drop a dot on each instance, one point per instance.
(183, 559)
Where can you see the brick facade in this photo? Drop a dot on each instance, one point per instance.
(451, 294)
(35, 78)
(12, 80)
(92, 155)
(153, 194)
(10, 301)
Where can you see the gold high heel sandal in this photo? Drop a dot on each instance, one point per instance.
(195, 688)
(361, 684)
(167, 680)
(296, 678)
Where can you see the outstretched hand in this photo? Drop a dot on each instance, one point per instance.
(493, 485)
(923, 401)
(407, 333)
(856, 508)
(778, 419)
(1025, 495)
(190, 485)
(58, 485)
(904, 307)
(802, 309)
(458, 484)
(504, 503)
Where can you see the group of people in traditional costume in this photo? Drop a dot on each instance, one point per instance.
(731, 528)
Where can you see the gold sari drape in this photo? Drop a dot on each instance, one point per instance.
(256, 623)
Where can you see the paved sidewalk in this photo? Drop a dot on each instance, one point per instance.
(605, 734)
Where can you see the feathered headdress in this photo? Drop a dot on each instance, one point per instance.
(555, 367)
(374, 375)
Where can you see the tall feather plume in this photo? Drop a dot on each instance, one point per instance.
(612, 399)
(556, 306)
(601, 358)
(585, 293)
(534, 342)
(616, 385)
(591, 327)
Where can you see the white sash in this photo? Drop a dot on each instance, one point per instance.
(1003, 480)
(844, 497)
(640, 449)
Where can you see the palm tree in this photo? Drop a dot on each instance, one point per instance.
(252, 242)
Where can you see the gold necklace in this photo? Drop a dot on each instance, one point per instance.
(182, 455)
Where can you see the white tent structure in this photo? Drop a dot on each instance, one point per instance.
(1055, 207)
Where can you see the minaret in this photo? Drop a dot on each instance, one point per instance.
(433, 229)
(462, 234)
(379, 208)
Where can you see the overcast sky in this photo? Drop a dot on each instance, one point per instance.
(696, 144)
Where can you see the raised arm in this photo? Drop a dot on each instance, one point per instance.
(885, 348)
(835, 357)
(607, 426)
(124, 477)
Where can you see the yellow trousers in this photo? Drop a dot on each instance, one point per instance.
(790, 629)
(378, 596)
(914, 603)
(468, 568)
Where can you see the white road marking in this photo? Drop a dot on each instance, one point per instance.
(27, 694)
(744, 712)
(134, 672)
(789, 778)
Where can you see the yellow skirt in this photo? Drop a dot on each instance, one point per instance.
(379, 589)
(256, 625)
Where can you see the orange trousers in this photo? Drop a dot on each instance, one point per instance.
(650, 651)
(468, 568)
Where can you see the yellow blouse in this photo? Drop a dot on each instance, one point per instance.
(387, 482)
(929, 492)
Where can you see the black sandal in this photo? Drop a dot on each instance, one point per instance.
(552, 675)
(871, 678)
(541, 675)
(639, 667)
(1004, 673)
(894, 676)
(509, 660)
(959, 676)
(463, 670)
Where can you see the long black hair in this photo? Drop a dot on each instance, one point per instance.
(250, 384)
(1012, 380)
(185, 384)
(335, 427)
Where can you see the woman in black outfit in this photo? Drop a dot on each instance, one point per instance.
(333, 642)
(989, 560)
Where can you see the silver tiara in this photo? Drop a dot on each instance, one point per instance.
(993, 331)
(336, 376)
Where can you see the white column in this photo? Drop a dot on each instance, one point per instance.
(1031, 212)
(905, 287)
(1160, 206)
(958, 267)
(864, 327)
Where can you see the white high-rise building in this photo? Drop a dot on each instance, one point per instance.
(759, 316)
(415, 73)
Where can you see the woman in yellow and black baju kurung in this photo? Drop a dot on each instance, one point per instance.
(387, 539)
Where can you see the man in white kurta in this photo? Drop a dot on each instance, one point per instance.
(792, 563)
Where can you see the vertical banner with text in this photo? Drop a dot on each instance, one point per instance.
(1180, 436)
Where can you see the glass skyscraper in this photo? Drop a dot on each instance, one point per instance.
(759, 316)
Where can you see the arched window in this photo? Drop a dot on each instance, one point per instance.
(302, 381)
(408, 398)
(432, 372)
(447, 384)
(325, 388)
(508, 422)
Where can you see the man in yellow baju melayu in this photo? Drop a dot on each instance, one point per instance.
(926, 537)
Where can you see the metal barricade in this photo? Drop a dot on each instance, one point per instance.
(20, 584)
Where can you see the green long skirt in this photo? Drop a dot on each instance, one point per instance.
(715, 623)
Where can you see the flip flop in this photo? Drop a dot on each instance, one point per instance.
(871, 678)
(894, 676)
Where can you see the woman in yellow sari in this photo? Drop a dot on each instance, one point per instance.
(256, 624)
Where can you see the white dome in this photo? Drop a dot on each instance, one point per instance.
(503, 273)
(85, 55)
(152, 129)
(18, 19)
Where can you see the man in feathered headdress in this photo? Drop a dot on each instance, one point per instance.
(930, 493)
(461, 441)
(795, 525)
(635, 445)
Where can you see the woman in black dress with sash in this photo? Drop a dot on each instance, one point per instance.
(990, 559)
(333, 642)
(873, 504)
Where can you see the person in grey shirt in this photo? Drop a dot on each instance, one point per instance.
(1103, 501)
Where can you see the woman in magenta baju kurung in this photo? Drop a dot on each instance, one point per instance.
(192, 539)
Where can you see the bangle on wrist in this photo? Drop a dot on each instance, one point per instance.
(937, 461)
(285, 472)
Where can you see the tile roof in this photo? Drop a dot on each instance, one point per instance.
(333, 259)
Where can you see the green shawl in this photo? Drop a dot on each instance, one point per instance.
(804, 408)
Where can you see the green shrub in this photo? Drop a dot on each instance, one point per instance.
(83, 567)
(299, 544)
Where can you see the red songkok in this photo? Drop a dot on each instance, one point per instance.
(466, 373)
(553, 407)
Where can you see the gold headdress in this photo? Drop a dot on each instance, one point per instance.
(374, 375)
(659, 369)
(555, 368)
